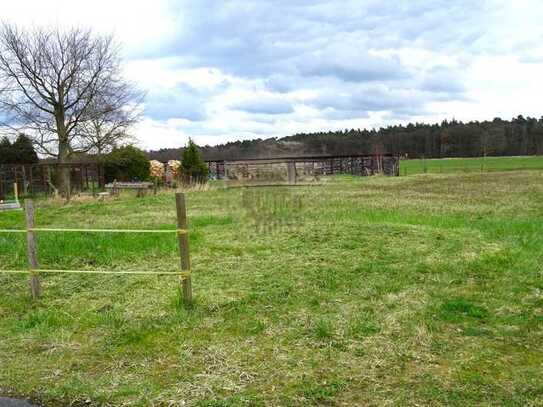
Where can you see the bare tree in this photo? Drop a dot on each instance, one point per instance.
(55, 82)
(108, 128)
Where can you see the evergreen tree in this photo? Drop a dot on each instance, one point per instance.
(23, 151)
(522, 135)
(194, 167)
(6, 151)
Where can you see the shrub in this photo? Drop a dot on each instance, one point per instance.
(194, 167)
(127, 164)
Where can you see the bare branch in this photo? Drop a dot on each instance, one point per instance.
(64, 89)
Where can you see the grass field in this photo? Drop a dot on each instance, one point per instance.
(423, 290)
(455, 165)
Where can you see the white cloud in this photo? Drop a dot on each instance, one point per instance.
(220, 71)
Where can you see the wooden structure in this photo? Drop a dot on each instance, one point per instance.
(291, 170)
(40, 178)
(32, 251)
(142, 187)
(183, 239)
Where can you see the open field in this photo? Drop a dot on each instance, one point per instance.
(478, 164)
(419, 290)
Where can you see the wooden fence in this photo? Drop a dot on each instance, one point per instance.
(34, 270)
(34, 179)
(359, 165)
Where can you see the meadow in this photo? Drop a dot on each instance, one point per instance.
(417, 290)
(476, 164)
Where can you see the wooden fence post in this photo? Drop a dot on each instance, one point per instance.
(291, 172)
(32, 250)
(186, 283)
(25, 184)
(31, 180)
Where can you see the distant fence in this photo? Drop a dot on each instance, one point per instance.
(32, 250)
(289, 168)
(40, 178)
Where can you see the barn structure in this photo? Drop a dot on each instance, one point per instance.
(40, 178)
(303, 169)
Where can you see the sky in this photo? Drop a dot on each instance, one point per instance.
(219, 70)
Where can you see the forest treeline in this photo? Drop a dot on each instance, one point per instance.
(519, 136)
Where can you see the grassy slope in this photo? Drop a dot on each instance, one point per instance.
(422, 290)
(455, 165)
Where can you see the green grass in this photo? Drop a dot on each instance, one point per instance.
(419, 290)
(479, 164)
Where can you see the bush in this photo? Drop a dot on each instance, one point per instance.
(194, 167)
(126, 164)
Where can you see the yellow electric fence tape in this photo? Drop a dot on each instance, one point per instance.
(183, 274)
(178, 231)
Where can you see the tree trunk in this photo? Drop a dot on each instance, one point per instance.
(64, 151)
(100, 166)
(64, 172)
